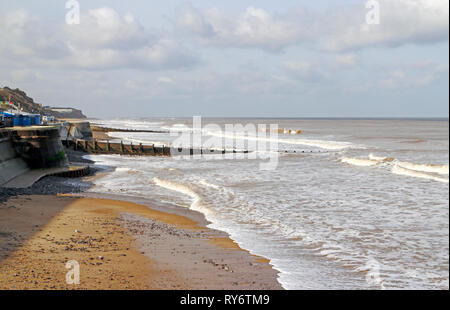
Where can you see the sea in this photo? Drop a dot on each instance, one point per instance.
(345, 203)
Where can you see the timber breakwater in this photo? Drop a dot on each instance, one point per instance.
(101, 147)
(28, 154)
(94, 139)
(84, 137)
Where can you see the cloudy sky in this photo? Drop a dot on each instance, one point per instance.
(287, 58)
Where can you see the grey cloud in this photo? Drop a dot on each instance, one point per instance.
(22, 36)
(105, 28)
(401, 22)
(254, 28)
(103, 40)
(340, 28)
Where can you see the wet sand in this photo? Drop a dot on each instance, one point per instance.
(100, 135)
(119, 245)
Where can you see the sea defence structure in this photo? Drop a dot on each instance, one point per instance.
(78, 136)
(106, 147)
(11, 165)
(75, 130)
(102, 147)
(30, 153)
(39, 146)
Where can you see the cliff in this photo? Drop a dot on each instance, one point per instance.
(27, 104)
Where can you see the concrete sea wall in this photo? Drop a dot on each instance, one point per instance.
(25, 148)
(39, 146)
(11, 164)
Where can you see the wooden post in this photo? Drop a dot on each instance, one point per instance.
(166, 150)
(108, 146)
(95, 145)
(122, 149)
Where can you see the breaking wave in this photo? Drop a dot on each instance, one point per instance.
(208, 184)
(412, 173)
(440, 169)
(401, 167)
(197, 202)
(323, 144)
(360, 161)
(380, 158)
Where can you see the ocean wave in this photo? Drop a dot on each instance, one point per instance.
(380, 158)
(413, 173)
(402, 167)
(208, 184)
(360, 161)
(145, 138)
(197, 202)
(323, 144)
(440, 169)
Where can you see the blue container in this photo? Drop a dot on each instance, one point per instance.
(26, 120)
(23, 120)
(35, 119)
(16, 120)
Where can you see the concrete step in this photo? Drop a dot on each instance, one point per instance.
(28, 178)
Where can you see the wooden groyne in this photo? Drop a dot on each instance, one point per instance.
(109, 129)
(101, 147)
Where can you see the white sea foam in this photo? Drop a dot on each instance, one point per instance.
(413, 173)
(440, 169)
(359, 161)
(380, 158)
(323, 144)
(136, 138)
(401, 167)
(197, 203)
(129, 124)
(208, 184)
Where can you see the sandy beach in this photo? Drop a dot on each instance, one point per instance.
(119, 245)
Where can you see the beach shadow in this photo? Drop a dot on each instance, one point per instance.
(24, 212)
(22, 216)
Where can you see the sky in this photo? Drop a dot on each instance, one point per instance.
(234, 58)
